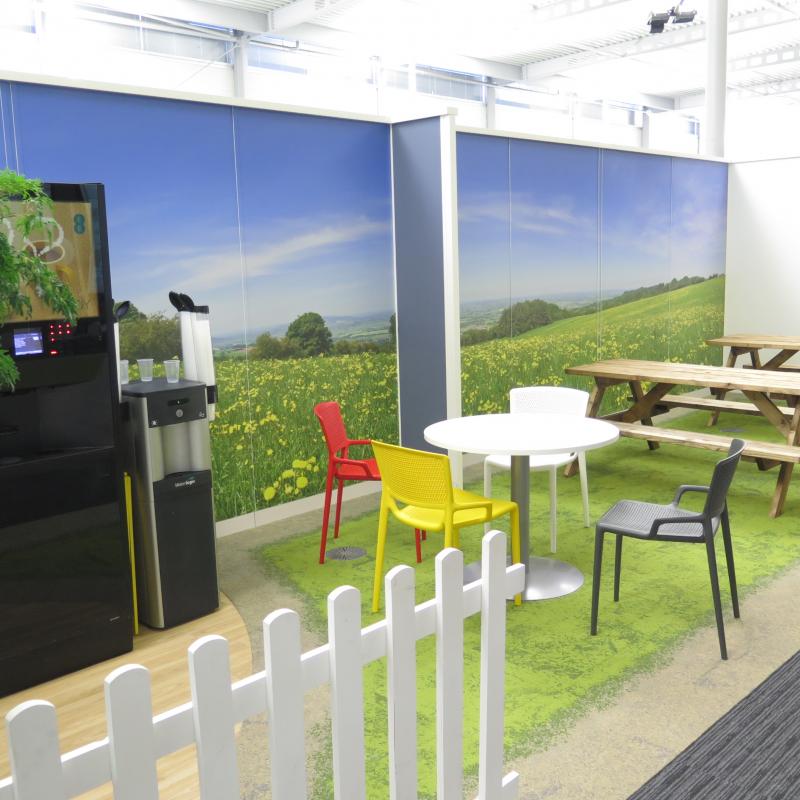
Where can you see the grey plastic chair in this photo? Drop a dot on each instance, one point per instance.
(670, 523)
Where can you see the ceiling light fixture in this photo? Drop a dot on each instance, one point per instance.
(658, 20)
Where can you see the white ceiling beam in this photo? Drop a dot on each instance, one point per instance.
(302, 11)
(683, 34)
(767, 87)
(200, 11)
(568, 8)
(766, 58)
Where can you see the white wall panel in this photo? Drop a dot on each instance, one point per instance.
(763, 271)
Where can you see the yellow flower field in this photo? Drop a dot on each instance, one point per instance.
(267, 446)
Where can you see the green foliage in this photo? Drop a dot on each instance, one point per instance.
(22, 270)
(527, 315)
(310, 334)
(269, 346)
(349, 347)
(393, 331)
(156, 336)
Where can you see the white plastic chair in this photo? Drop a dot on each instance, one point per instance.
(545, 400)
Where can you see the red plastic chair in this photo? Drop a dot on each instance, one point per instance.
(341, 468)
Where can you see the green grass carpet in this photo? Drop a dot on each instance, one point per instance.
(555, 669)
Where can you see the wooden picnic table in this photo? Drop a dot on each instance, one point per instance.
(744, 344)
(663, 376)
(753, 343)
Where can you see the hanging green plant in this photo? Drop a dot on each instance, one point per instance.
(25, 216)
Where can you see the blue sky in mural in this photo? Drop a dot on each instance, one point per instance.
(313, 204)
(530, 205)
(483, 215)
(699, 217)
(635, 221)
(168, 169)
(553, 222)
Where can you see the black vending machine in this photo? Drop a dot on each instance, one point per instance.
(65, 582)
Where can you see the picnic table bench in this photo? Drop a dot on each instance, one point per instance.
(752, 344)
(662, 377)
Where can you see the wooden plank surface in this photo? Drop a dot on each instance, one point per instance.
(757, 341)
(708, 441)
(727, 378)
(712, 404)
(79, 699)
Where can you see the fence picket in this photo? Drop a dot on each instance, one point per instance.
(34, 753)
(449, 674)
(131, 742)
(347, 693)
(284, 680)
(493, 649)
(401, 669)
(212, 713)
(136, 739)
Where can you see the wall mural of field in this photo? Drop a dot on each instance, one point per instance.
(281, 223)
(569, 254)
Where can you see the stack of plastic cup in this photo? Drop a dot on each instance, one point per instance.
(123, 370)
(173, 369)
(145, 369)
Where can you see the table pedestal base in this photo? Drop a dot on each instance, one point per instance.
(546, 578)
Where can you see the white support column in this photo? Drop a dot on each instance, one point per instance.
(240, 65)
(713, 132)
(452, 296)
(490, 103)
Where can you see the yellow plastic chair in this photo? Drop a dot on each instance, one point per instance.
(422, 483)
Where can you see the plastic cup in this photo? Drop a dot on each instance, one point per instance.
(173, 369)
(145, 369)
(123, 370)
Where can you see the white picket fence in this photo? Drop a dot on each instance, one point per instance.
(136, 739)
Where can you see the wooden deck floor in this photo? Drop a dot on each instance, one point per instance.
(78, 697)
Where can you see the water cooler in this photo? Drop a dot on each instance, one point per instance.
(169, 457)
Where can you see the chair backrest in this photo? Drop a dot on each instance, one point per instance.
(414, 476)
(330, 418)
(721, 479)
(549, 400)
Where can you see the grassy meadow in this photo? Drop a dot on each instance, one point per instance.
(670, 326)
(266, 443)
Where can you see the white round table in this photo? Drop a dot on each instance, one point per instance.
(520, 436)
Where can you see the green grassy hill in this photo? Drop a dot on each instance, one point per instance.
(671, 326)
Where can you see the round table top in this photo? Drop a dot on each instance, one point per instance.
(521, 434)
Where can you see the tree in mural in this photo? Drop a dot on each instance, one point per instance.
(155, 336)
(310, 334)
(269, 346)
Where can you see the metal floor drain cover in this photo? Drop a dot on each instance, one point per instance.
(346, 553)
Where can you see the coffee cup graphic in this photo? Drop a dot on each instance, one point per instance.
(49, 252)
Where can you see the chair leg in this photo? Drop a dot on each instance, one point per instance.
(584, 488)
(516, 547)
(383, 526)
(598, 566)
(726, 538)
(326, 513)
(338, 509)
(617, 567)
(553, 511)
(712, 569)
(418, 543)
(424, 536)
(487, 489)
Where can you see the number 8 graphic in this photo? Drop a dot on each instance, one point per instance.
(79, 223)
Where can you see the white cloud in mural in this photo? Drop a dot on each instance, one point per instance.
(556, 218)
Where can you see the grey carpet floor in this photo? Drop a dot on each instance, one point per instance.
(751, 753)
